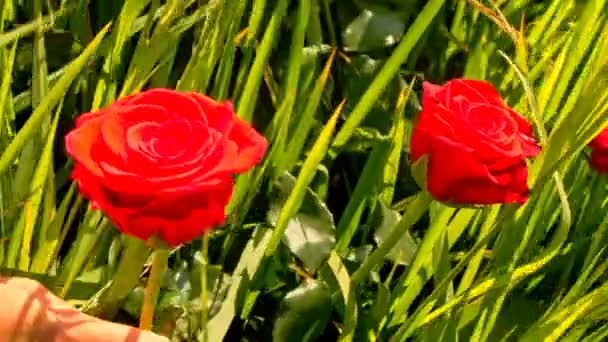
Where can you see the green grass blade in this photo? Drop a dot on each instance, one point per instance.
(46, 105)
(294, 200)
(399, 56)
(248, 98)
(32, 206)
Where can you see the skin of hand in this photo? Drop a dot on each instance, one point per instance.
(31, 313)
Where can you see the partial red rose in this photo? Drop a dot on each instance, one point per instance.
(476, 145)
(599, 152)
(161, 162)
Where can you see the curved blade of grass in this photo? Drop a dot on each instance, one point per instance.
(555, 326)
(279, 125)
(248, 98)
(397, 134)
(49, 237)
(32, 206)
(42, 25)
(368, 187)
(46, 105)
(105, 91)
(388, 71)
(91, 233)
(309, 168)
(307, 118)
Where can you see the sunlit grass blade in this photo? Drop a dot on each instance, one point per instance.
(399, 56)
(307, 117)
(293, 202)
(248, 264)
(106, 90)
(46, 105)
(397, 135)
(32, 206)
(367, 190)
(247, 100)
(89, 232)
(49, 236)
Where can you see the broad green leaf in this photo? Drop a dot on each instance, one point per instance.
(305, 313)
(385, 219)
(372, 30)
(310, 233)
(250, 260)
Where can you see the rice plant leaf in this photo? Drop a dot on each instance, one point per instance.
(294, 201)
(411, 38)
(46, 105)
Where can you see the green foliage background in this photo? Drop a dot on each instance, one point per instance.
(329, 238)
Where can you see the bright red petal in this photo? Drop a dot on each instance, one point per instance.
(79, 143)
(182, 217)
(456, 176)
(179, 103)
(472, 90)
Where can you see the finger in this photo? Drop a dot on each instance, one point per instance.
(96, 330)
(31, 312)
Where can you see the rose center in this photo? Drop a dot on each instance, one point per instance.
(493, 122)
(172, 138)
(160, 141)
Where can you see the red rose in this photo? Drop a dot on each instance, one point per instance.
(160, 162)
(599, 152)
(477, 146)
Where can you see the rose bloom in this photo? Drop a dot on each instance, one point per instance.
(476, 145)
(161, 162)
(599, 152)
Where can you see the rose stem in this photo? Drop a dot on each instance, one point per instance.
(159, 265)
(204, 307)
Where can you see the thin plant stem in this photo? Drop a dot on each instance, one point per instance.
(160, 260)
(204, 307)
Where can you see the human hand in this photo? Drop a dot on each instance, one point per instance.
(29, 312)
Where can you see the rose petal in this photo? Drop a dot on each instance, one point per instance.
(495, 133)
(79, 143)
(83, 118)
(139, 137)
(133, 183)
(113, 134)
(176, 220)
(473, 90)
(529, 144)
(434, 120)
(430, 92)
(251, 145)
(600, 142)
(197, 147)
(181, 104)
(456, 176)
(599, 161)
